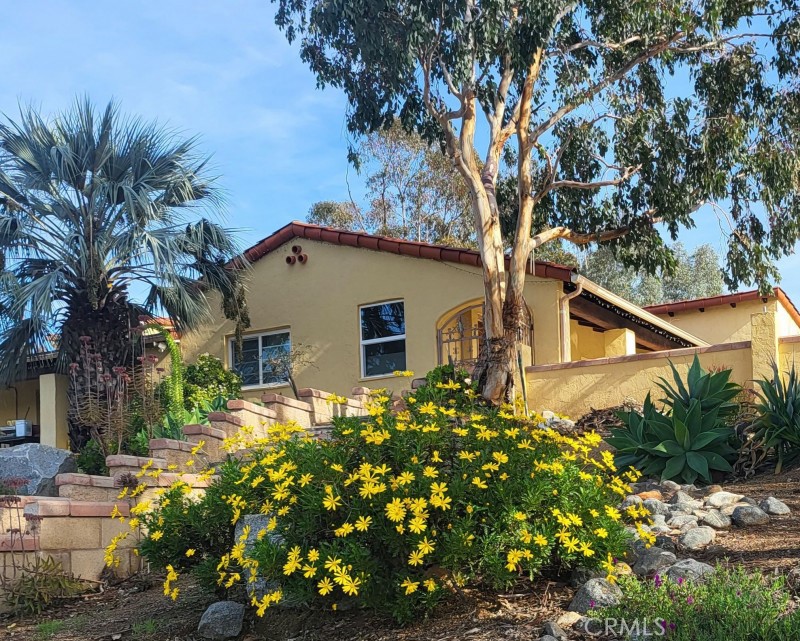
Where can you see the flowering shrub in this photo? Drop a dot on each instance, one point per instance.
(730, 605)
(398, 507)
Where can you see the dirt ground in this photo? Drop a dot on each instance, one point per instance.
(136, 609)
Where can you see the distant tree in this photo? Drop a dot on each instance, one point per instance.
(626, 117)
(413, 192)
(694, 275)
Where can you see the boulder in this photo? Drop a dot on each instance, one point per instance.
(722, 499)
(631, 499)
(697, 538)
(581, 575)
(745, 515)
(772, 505)
(650, 494)
(651, 560)
(688, 570)
(37, 465)
(595, 593)
(716, 519)
(222, 620)
(683, 521)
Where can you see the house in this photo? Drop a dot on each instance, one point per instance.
(358, 307)
(347, 309)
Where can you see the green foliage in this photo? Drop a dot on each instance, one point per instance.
(683, 445)
(48, 629)
(690, 438)
(731, 605)
(641, 115)
(135, 186)
(397, 507)
(714, 390)
(778, 423)
(172, 386)
(145, 628)
(39, 584)
(206, 380)
(91, 459)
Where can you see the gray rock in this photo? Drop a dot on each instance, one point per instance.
(222, 620)
(581, 575)
(665, 543)
(772, 505)
(597, 593)
(553, 630)
(588, 625)
(681, 497)
(645, 486)
(37, 465)
(656, 507)
(722, 499)
(697, 538)
(651, 560)
(688, 570)
(745, 515)
(729, 509)
(631, 499)
(688, 507)
(670, 486)
(548, 637)
(683, 521)
(659, 520)
(716, 519)
(749, 501)
(689, 488)
(709, 489)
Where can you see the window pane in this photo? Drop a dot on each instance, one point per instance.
(384, 358)
(247, 365)
(381, 321)
(275, 352)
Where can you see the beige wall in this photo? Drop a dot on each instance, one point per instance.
(13, 405)
(726, 324)
(575, 389)
(790, 353)
(319, 302)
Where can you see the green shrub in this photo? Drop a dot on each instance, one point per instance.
(732, 605)
(690, 438)
(684, 445)
(206, 380)
(778, 423)
(713, 390)
(91, 460)
(398, 506)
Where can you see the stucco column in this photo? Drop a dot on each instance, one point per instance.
(544, 302)
(53, 410)
(619, 342)
(764, 341)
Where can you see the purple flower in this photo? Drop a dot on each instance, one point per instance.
(591, 604)
(690, 600)
(657, 580)
(680, 580)
(672, 626)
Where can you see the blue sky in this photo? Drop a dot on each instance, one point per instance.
(217, 68)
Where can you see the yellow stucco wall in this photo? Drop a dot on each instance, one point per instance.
(319, 301)
(14, 405)
(789, 353)
(722, 324)
(575, 390)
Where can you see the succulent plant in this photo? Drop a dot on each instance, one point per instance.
(714, 390)
(778, 424)
(685, 444)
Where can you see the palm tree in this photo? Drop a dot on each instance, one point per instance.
(101, 223)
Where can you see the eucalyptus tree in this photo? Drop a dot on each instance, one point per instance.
(100, 224)
(624, 117)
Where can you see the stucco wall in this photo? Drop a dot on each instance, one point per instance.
(723, 324)
(789, 349)
(576, 388)
(319, 301)
(14, 405)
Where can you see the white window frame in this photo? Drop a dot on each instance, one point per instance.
(259, 336)
(372, 341)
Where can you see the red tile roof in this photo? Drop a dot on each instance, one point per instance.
(726, 299)
(411, 248)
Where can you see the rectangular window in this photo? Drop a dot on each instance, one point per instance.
(265, 359)
(383, 338)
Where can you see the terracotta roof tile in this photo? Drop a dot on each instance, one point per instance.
(411, 248)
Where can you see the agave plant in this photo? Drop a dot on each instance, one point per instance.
(713, 390)
(778, 424)
(687, 444)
